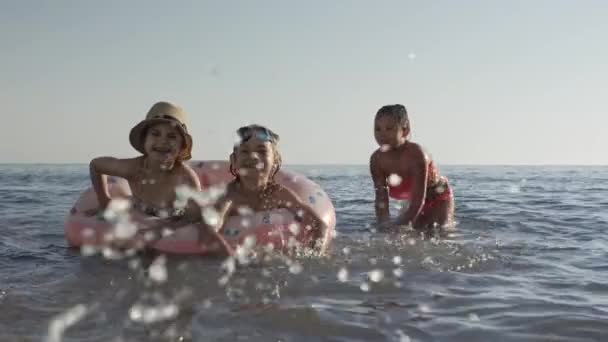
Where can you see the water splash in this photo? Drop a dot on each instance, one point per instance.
(375, 275)
(343, 275)
(63, 321)
(394, 180)
(158, 270)
(153, 314)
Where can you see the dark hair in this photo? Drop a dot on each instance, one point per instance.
(396, 111)
(246, 132)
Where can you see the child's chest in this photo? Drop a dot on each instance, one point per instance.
(243, 205)
(156, 191)
(396, 163)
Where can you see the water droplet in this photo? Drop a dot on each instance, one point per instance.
(149, 236)
(119, 204)
(88, 233)
(157, 270)
(428, 260)
(136, 313)
(411, 56)
(343, 275)
(249, 241)
(223, 280)
(294, 228)
(397, 260)
(398, 273)
(364, 287)
(424, 308)
(153, 314)
(292, 242)
(111, 254)
(244, 210)
(394, 179)
(402, 336)
(124, 230)
(88, 250)
(229, 265)
(373, 261)
(376, 275)
(164, 213)
(269, 247)
(211, 216)
(473, 317)
(346, 250)
(295, 268)
(63, 321)
(134, 264)
(245, 222)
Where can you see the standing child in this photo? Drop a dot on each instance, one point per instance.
(400, 169)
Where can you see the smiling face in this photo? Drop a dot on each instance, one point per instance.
(163, 143)
(389, 131)
(255, 158)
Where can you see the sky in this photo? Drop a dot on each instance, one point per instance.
(484, 81)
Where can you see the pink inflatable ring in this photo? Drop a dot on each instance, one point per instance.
(275, 228)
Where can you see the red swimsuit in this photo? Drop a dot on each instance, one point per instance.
(438, 189)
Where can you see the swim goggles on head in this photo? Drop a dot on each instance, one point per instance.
(261, 133)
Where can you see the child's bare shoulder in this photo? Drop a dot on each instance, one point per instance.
(280, 189)
(188, 175)
(415, 150)
(416, 154)
(376, 157)
(286, 195)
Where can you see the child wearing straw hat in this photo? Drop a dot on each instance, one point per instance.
(165, 144)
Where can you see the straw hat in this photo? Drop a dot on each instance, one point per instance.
(163, 112)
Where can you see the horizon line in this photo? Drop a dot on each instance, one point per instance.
(333, 164)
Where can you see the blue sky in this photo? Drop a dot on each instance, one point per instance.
(485, 82)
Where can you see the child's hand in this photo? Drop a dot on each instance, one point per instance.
(211, 240)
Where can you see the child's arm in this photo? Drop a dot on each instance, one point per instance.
(307, 217)
(209, 232)
(191, 179)
(381, 192)
(102, 166)
(419, 175)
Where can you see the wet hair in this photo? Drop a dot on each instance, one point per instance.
(263, 133)
(396, 111)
